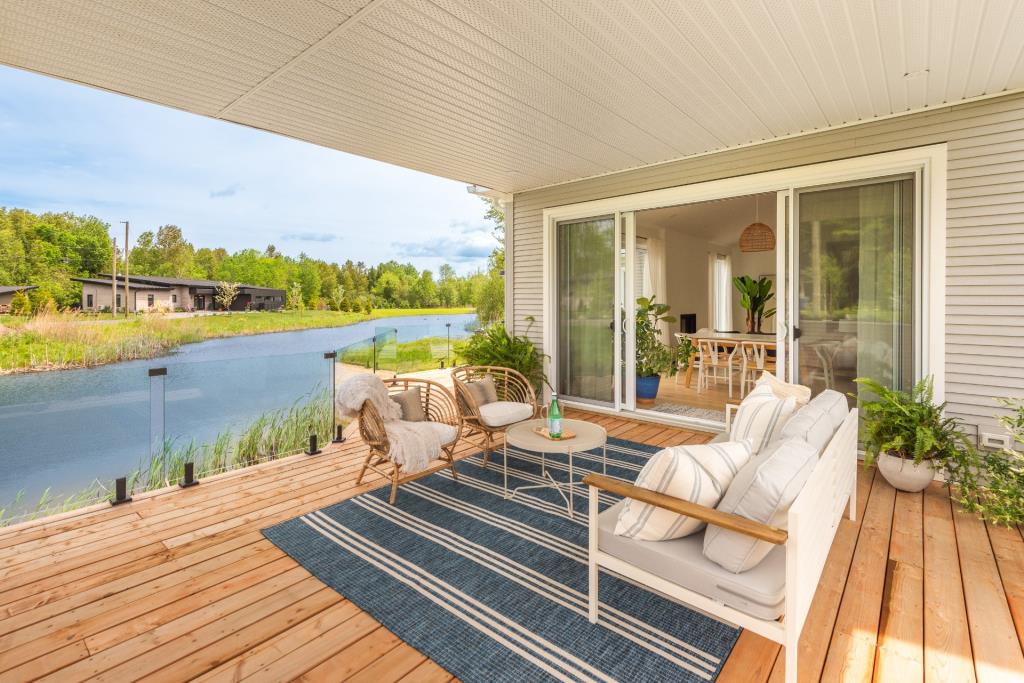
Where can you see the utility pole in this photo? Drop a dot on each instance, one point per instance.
(113, 283)
(127, 305)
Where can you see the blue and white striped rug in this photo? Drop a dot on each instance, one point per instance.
(495, 590)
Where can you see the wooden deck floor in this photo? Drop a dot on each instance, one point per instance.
(180, 584)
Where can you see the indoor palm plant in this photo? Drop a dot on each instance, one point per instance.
(907, 434)
(754, 296)
(653, 357)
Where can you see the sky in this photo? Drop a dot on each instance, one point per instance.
(67, 147)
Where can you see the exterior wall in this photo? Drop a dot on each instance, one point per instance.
(161, 299)
(5, 299)
(984, 223)
(100, 296)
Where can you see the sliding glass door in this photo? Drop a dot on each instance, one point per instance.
(853, 284)
(586, 277)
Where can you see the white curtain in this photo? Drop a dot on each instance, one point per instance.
(655, 281)
(720, 288)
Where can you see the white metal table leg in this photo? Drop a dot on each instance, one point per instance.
(506, 469)
(572, 487)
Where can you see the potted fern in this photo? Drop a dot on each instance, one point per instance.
(906, 434)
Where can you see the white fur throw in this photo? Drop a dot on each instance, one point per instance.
(413, 444)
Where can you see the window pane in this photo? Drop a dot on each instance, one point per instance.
(856, 285)
(586, 309)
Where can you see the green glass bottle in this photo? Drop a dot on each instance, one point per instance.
(554, 418)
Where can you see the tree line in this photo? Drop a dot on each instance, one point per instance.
(49, 249)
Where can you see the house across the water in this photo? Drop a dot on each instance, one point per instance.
(7, 293)
(153, 292)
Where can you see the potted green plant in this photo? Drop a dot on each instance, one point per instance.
(653, 357)
(754, 296)
(906, 434)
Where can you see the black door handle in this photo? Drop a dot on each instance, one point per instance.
(796, 333)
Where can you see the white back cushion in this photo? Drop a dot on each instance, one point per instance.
(781, 389)
(810, 424)
(833, 404)
(761, 417)
(763, 491)
(699, 474)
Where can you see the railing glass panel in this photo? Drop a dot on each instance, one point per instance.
(66, 435)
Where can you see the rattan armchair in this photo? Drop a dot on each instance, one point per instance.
(511, 386)
(438, 405)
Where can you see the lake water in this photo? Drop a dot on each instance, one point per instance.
(63, 429)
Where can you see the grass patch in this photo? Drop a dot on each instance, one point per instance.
(70, 340)
(402, 357)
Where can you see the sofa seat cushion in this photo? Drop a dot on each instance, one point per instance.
(445, 432)
(759, 592)
(699, 474)
(760, 417)
(763, 491)
(501, 413)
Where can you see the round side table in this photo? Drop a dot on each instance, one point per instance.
(588, 436)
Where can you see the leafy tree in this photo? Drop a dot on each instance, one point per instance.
(294, 301)
(20, 304)
(226, 294)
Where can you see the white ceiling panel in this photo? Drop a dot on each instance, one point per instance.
(515, 94)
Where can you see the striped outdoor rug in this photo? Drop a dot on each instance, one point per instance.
(495, 590)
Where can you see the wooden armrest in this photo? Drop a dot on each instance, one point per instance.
(726, 520)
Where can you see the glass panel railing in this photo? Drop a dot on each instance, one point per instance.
(67, 435)
(228, 414)
(385, 345)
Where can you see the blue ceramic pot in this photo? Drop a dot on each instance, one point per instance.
(647, 387)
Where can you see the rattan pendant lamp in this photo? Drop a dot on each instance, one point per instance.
(757, 236)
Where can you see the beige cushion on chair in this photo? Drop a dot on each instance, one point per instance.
(699, 474)
(799, 392)
(483, 390)
(411, 401)
(763, 491)
(445, 432)
(501, 413)
(833, 404)
(760, 417)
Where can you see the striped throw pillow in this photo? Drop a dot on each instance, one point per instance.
(761, 417)
(698, 474)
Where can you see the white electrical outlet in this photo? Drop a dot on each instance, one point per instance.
(995, 441)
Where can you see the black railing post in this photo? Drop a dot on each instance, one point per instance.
(121, 492)
(313, 447)
(190, 476)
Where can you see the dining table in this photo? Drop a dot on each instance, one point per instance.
(729, 340)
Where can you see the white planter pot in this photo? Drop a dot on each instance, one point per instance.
(904, 474)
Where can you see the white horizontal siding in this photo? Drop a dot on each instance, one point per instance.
(985, 230)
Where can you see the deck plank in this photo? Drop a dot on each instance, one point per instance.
(997, 652)
(181, 584)
(900, 655)
(851, 653)
(947, 639)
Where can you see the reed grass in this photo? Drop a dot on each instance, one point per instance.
(65, 340)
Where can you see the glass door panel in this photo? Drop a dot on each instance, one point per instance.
(587, 303)
(854, 285)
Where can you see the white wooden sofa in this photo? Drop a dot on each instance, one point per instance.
(773, 598)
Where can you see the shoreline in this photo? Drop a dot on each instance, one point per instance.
(153, 337)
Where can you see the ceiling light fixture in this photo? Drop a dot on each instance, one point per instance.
(757, 236)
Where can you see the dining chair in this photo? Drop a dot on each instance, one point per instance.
(712, 359)
(754, 360)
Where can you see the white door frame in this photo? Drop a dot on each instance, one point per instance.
(929, 161)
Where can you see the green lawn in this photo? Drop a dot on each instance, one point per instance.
(69, 340)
